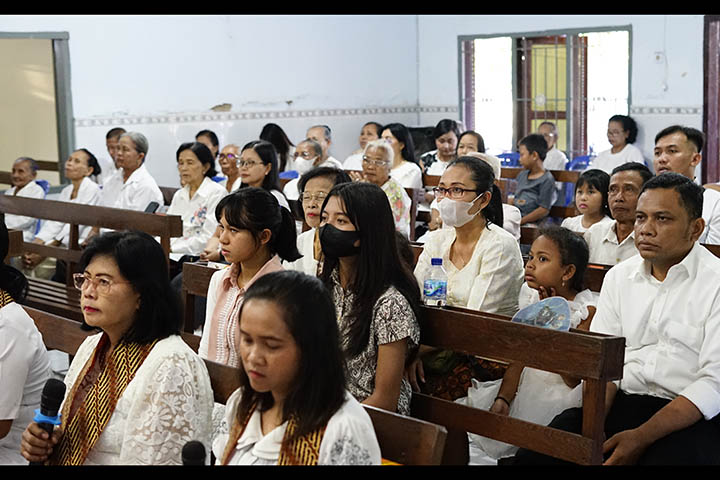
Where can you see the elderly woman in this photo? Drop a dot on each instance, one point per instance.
(377, 162)
(307, 156)
(196, 201)
(136, 393)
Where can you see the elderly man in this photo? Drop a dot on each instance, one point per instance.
(322, 135)
(308, 155)
(677, 149)
(24, 172)
(612, 242)
(666, 303)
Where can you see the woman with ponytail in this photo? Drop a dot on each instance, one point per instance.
(24, 362)
(483, 261)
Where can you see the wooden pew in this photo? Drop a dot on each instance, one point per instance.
(402, 440)
(63, 299)
(15, 242)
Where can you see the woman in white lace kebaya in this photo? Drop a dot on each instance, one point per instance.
(136, 393)
(285, 412)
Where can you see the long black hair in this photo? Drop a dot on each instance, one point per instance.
(255, 209)
(274, 134)
(379, 264)
(142, 261)
(309, 313)
(402, 134)
(12, 280)
(483, 177)
(268, 155)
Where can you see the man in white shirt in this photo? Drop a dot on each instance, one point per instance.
(677, 149)
(24, 172)
(554, 158)
(666, 303)
(109, 166)
(323, 135)
(612, 242)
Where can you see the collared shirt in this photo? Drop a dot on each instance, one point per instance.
(555, 160)
(491, 279)
(236, 184)
(18, 222)
(111, 187)
(575, 223)
(138, 191)
(711, 214)
(198, 217)
(220, 337)
(604, 246)
(607, 161)
(408, 174)
(399, 204)
(671, 328)
(88, 194)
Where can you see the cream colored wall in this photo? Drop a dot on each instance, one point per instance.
(28, 121)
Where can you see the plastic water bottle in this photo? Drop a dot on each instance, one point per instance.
(435, 285)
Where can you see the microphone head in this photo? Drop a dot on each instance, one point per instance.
(193, 453)
(52, 396)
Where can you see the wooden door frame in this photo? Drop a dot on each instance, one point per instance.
(711, 99)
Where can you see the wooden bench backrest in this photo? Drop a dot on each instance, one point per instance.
(15, 243)
(403, 440)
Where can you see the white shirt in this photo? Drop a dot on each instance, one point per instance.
(711, 215)
(111, 187)
(349, 438)
(236, 184)
(575, 223)
(198, 217)
(108, 169)
(24, 369)
(604, 247)
(354, 161)
(607, 161)
(88, 194)
(408, 174)
(671, 328)
(138, 191)
(18, 222)
(306, 246)
(511, 219)
(555, 160)
(167, 403)
(489, 282)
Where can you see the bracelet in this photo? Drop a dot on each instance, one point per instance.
(503, 399)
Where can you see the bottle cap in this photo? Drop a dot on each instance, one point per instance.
(436, 261)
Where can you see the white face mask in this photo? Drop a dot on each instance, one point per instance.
(454, 213)
(303, 165)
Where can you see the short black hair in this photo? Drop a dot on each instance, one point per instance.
(335, 175)
(202, 152)
(114, 133)
(535, 143)
(210, 134)
(600, 181)
(309, 315)
(573, 251)
(628, 124)
(693, 135)
(690, 193)
(142, 261)
(378, 127)
(641, 168)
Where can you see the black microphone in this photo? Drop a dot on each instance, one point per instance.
(193, 453)
(47, 416)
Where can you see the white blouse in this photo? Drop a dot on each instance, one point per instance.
(18, 222)
(88, 194)
(408, 174)
(24, 369)
(138, 191)
(349, 438)
(198, 217)
(607, 161)
(489, 282)
(306, 246)
(574, 224)
(167, 403)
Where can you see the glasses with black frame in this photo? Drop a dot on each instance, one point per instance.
(452, 192)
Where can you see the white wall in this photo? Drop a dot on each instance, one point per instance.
(679, 36)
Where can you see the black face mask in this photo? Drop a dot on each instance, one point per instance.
(338, 243)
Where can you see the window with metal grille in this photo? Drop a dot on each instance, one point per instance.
(510, 84)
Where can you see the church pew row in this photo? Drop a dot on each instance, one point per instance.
(593, 357)
(402, 440)
(62, 299)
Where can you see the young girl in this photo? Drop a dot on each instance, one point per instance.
(285, 412)
(377, 300)
(255, 233)
(556, 266)
(591, 200)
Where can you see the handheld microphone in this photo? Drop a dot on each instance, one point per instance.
(47, 415)
(193, 453)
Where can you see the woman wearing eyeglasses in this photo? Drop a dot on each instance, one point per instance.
(622, 133)
(228, 159)
(314, 186)
(136, 393)
(376, 165)
(482, 260)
